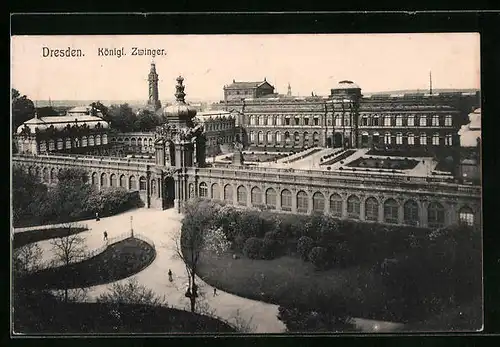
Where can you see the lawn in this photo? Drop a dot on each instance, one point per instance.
(27, 237)
(48, 316)
(291, 281)
(120, 260)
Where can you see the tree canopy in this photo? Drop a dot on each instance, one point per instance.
(23, 109)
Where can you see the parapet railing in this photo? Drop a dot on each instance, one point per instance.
(50, 226)
(72, 158)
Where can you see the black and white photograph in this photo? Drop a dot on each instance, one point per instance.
(246, 184)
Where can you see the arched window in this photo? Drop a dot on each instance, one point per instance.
(261, 120)
(302, 202)
(371, 209)
(449, 140)
(269, 137)
(336, 205)
(104, 139)
(435, 215)
(448, 121)
(399, 120)
(387, 138)
(286, 200)
(132, 141)
(45, 174)
(296, 137)
(315, 138)
(112, 180)
(241, 195)
(91, 140)
(127, 141)
(252, 120)
(153, 187)
(318, 202)
(399, 139)
(142, 183)
(68, 143)
(271, 198)
(228, 193)
(387, 121)
(278, 120)
(410, 209)
(203, 190)
(466, 216)
(191, 191)
(139, 142)
(123, 181)
(104, 180)
(306, 138)
(411, 121)
(435, 120)
(84, 141)
(53, 175)
(43, 146)
(261, 137)
(353, 207)
(256, 196)
(423, 121)
(411, 139)
(391, 211)
(98, 140)
(435, 139)
(287, 137)
(215, 191)
(132, 183)
(423, 139)
(252, 137)
(94, 179)
(338, 121)
(52, 145)
(278, 137)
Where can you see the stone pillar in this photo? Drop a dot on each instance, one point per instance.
(451, 214)
(278, 198)
(249, 195)
(294, 200)
(381, 210)
(310, 202)
(362, 200)
(423, 213)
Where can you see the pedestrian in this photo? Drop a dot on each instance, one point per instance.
(170, 275)
(105, 236)
(97, 217)
(215, 291)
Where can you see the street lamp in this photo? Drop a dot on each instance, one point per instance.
(131, 229)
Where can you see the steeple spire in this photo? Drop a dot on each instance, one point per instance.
(153, 100)
(289, 93)
(179, 93)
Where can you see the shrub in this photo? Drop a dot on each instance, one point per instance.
(318, 256)
(304, 246)
(252, 248)
(269, 248)
(306, 320)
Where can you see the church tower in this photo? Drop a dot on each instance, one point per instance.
(153, 100)
(289, 93)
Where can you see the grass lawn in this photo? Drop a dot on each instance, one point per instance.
(27, 237)
(288, 280)
(379, 163)
(118, 261)
(50, 316)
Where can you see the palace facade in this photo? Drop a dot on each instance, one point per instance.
(347, 119)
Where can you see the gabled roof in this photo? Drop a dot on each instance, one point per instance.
(247, 85)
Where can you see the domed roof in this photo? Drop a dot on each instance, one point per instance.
(179, 110)
(346, 85)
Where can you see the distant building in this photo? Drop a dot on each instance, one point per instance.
(220, 130)
(242, 90)
(81, 130)
(154, 103)
(470, 152)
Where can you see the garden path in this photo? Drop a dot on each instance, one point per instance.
(162, 227)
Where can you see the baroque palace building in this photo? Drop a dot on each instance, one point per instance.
(179, 171)
(347, 119)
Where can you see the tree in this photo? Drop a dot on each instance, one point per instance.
(28, 193)
(253, 247)
(131, 292)
(146, 121)
(27, 259)
(122, 117)
(23, 109)
(98, 106)
(318, 256)
(304, 246)
(67, 250)
(198, 234)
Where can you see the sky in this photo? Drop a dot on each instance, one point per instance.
(310, 63)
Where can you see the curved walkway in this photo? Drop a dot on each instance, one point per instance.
(162, 228)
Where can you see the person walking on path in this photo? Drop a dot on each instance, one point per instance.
(105, 236)
(97, 217)
(215, 291)
(170, 275)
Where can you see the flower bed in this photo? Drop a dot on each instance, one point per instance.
(118, 261)
(340, 157)
(387, 163)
